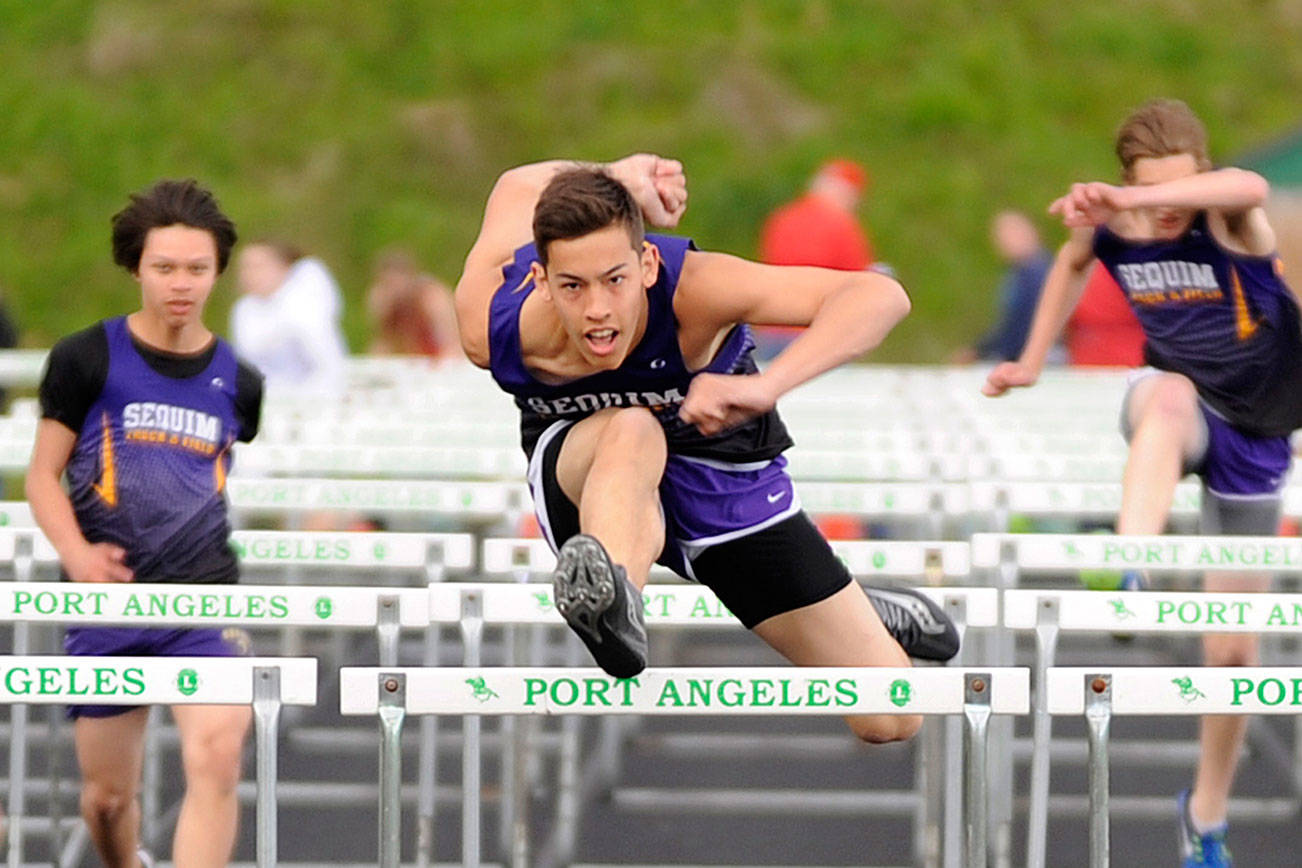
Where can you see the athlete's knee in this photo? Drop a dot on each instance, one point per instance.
(214, 760)
(884, 728)
(633, 429)
(1231, 649)
(1173, 399)
(103, 802)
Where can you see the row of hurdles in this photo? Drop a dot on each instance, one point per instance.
(989, 602)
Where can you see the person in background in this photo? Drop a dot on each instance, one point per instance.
(286, 321)
(411, 313)
(1193, 249)
(1103, 330)
(1018, 243)
(819, 228)
(138, 416)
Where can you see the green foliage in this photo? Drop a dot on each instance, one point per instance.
(350, 127)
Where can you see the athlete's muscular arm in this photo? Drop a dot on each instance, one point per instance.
(848, 313)
(1062, 290)
(657, 184)
(83, 561)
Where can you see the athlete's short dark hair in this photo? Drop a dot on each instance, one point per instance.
(170, 203)
(1162, 128)
(581, 201)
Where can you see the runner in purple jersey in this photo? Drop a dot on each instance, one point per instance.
(1191, 247)
(141, 411)
(651, 434)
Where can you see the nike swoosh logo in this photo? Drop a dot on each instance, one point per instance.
(774, 498)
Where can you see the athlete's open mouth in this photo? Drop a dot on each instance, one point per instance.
(601, 341)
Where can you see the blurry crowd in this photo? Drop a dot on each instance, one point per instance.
(287, 319)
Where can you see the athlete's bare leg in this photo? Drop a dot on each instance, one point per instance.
(110, 752)
(1168, 430)
(610, 465)
(212, 741)
(1221, 736)
(842, 630)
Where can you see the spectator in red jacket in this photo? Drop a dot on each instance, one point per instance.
(1103, 329)
(818, 228)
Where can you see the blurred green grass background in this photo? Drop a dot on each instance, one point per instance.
(347, 127)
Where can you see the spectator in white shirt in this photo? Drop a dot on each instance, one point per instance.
(286, 321)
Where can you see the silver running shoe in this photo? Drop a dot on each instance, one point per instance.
(596, 599)
(920, 626)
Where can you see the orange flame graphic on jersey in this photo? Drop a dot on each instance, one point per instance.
(107, 487)
(1244, 325)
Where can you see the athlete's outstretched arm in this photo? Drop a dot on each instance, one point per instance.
(1232, 192)
(82, 561)
(657, 184)
(1062, 290)
(847, 313)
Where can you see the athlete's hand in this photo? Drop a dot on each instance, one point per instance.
(1008, 375)
(717, 402)
(658, 185)
(1091, 204)
(98, 562)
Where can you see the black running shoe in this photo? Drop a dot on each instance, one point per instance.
(597, 600)
(919, 625)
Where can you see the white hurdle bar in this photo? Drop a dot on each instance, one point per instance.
(471, 501)
(266, 683)
(1100, 693)
(474, 691)
(434, 554)
(385, 610)
(1046, 612)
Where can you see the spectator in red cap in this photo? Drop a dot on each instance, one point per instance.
(819, 228)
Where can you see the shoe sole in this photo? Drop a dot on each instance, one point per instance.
(583, 586)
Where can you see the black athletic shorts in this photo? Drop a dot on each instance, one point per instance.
(766, 572)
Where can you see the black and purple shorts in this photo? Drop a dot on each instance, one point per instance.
(147, 642)
(738, 529)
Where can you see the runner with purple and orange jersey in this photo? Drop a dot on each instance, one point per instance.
(140, 412)
(1192, 249)
(651, 434)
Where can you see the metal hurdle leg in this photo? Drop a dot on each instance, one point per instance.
(393, 710)
(18, 719)
(426, 775)
(952, 780)
(386, 628)
(976, 711)
(1046, 649)
(1098, 714)
(18, 760)
(266, 720)
(1002, 653)
(472, 635)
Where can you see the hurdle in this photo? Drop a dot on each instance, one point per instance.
(478, 503)
(1049, 612)
(691, 605)
(429, 555)
(997, 502)
(474, 691)
(265, 683)
(385, 610)
(1099, 693)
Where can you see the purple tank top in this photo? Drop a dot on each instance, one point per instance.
(148, 470)
(1225, 320)
(654, 375)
